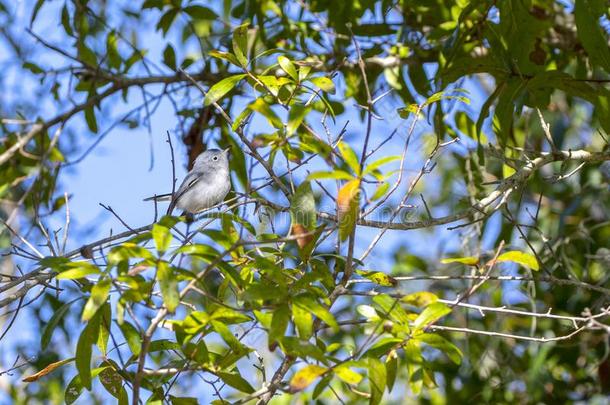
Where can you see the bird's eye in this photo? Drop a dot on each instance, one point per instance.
(215, 158)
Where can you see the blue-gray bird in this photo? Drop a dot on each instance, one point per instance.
(206, 185)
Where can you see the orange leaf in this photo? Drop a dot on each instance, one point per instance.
(348, 204)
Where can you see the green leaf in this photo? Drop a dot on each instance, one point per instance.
(32, 67)
(279, 323)
(114, 58)
(236, 381)
(128, 250)
(261, 106)
(305, 376)
(224, 56)
(442, 344)
(78, 270)
(380, 162)
(75, 386)
(311, 304)
(35, 10)
(469, 128)
(240, 44)
(221, 88)
(166, 20)
(524, 259)
(303, 206)
(391, 307)
(468, 260)
(303, 320)
(132, 337)
(86, 55)
(99, 295)
(83, 351)
(105, 319)
(162, 237)
(336, 175)
(90, 118)
(323, 83)
(391, 367)
(348, 203)
(377, 380)
(431, 314)
(349, 156)
(296, 115)
(113, 383)
(200, 13)
(288, 67)
(169, 285)
(590, 33)
(321, 386)
(378, 278)
(45, 338)
(380, 191)
(169, 57)
(373, 30)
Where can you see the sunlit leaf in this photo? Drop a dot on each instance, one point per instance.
(169, 285)
(347, 375)
(349, 156)
(99, 295)
(240, 44)
(323, 83)
(522, 258)
(378, 277)
(336, 175)
(162, 237)
(221, 88)
(287, 67)
(431, 314)
(469, 260)
(305, 376)
(348, 204)
(420, 299)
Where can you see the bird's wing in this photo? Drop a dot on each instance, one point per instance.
(159, 197)
(189, 181)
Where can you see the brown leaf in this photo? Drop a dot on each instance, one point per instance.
(298, 230)
(46, 370)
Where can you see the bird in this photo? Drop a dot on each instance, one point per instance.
(206, 185)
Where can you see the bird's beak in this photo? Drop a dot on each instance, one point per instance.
(227, 150)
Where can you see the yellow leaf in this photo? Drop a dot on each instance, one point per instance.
(378, 277)
(524, 259)
(469, 260)
(420, 299)
(347, 375)
(348, 204)
(305, 376)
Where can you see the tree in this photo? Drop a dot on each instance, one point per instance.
(420, 203)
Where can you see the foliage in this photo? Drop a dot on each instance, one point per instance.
(351, 123)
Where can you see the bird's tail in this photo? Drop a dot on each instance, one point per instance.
(159, 197)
